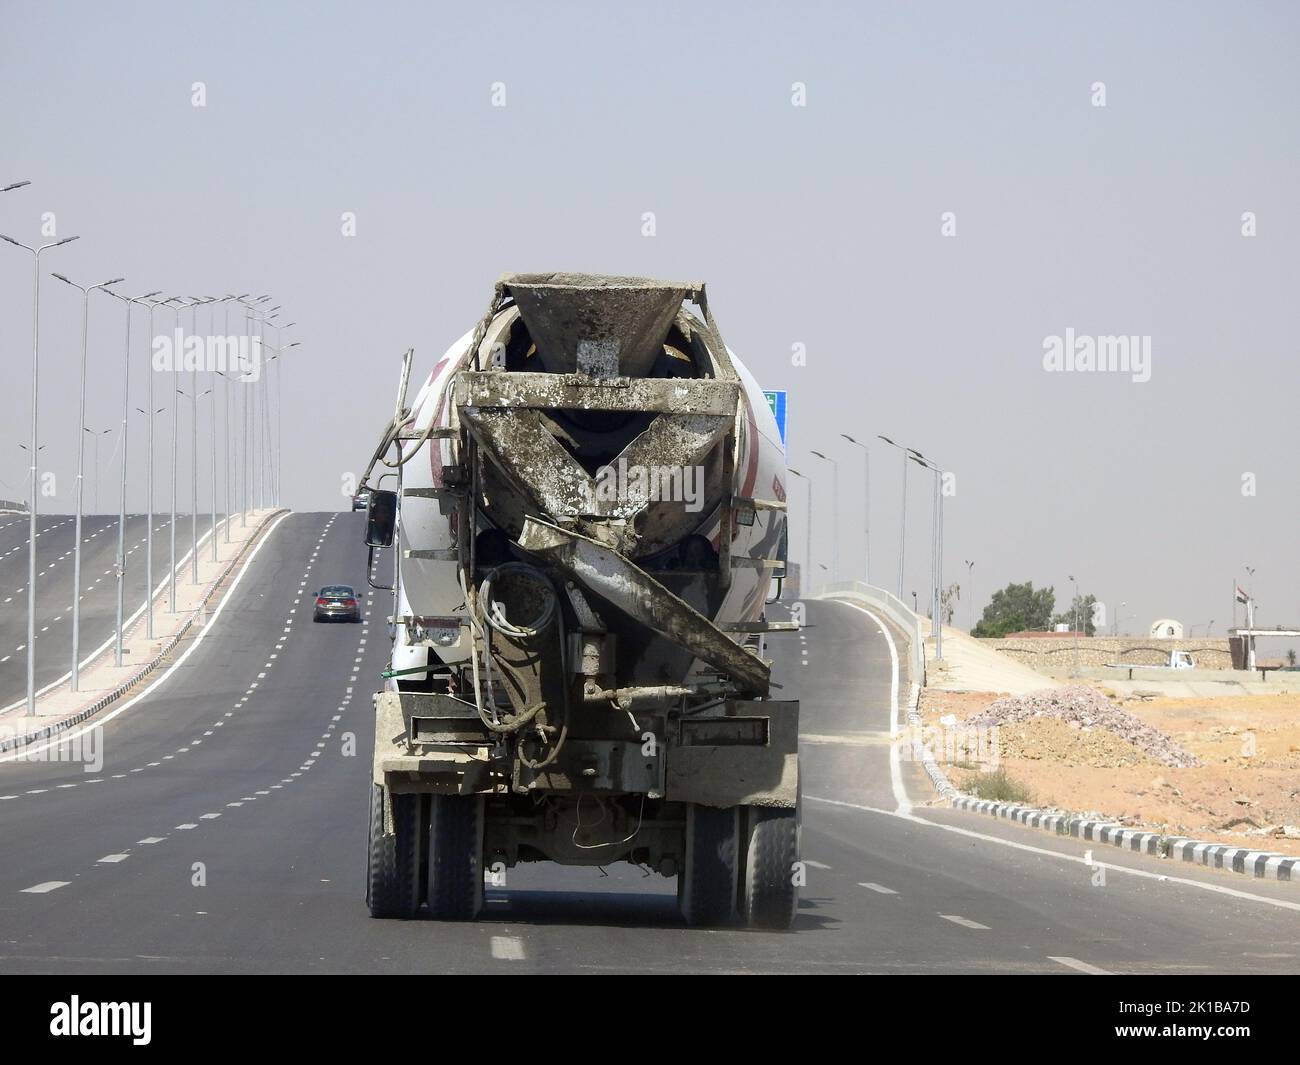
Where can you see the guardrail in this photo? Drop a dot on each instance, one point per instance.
(898, 613)
(9, 504)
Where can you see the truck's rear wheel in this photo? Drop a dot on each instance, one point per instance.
(455, 857)
(393, 867)
(771, 896)
(706, 885)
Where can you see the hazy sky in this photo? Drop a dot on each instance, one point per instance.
(817, 225)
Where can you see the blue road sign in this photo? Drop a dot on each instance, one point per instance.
(776, 400)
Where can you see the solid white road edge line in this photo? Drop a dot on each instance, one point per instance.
(1061, 855)
(895, 762)
(126, 622)
(26, 753)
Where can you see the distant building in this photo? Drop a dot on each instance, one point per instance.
(1167, 629)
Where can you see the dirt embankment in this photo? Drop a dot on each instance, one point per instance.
(1222, 770)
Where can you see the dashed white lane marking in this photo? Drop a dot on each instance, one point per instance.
(113, 859)
(208, 817)
(188, 825)
(815, 865)
(507, 948)
(879, 888)
(42, 889)
(965, 922)
(152, 839)
(1079, 966)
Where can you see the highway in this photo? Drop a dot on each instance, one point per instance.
(54, 572)
(226, 829)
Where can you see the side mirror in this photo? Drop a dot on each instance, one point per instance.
(381, 518)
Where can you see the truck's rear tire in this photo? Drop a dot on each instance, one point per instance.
(455, 857)
(771, 896)
(706, 885)
(393, 867)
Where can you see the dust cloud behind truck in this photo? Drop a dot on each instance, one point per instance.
(586, 505)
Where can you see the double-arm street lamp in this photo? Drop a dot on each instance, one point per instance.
(121, 513)
(31, 502)
(85, 291)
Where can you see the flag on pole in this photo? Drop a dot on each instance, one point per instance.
(1242, 597)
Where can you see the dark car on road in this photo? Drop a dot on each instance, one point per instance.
(337, 602)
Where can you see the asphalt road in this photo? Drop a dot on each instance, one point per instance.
(225, 831)
(54, 573)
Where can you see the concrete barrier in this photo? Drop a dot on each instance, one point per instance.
(895, 611)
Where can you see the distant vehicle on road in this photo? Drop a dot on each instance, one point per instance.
(335, 602)
(1177, 660)
(361, 500)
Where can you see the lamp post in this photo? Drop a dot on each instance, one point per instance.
(1074, 613)
(835, 514)
(171, 579)
(232, 450)
(807, 547)
(902, 514)
(279, 414)
(95, 435)
(121, 513)
(936, 560)
(31, 502)
(970, 595)
(276, 417)
(866, 506)
(85, 291)
(195, 303)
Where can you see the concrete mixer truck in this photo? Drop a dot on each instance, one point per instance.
(585, 503)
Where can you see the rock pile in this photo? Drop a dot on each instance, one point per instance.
(1085, 708)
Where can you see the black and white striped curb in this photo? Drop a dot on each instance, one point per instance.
(1267, 865)
(49, 731)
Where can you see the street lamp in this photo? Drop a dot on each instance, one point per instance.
(866, 505)
(835, 514)
(195, 303)
(1074, 613)
(970, 595)
(902, 513)
(121, 513)
(95, 435)
(31, 502)
(807, 547)
(15, 185)
(171, 580)
(232, 450)
(277, 418)
(279, 412)
(81, 455)
(936, 549)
